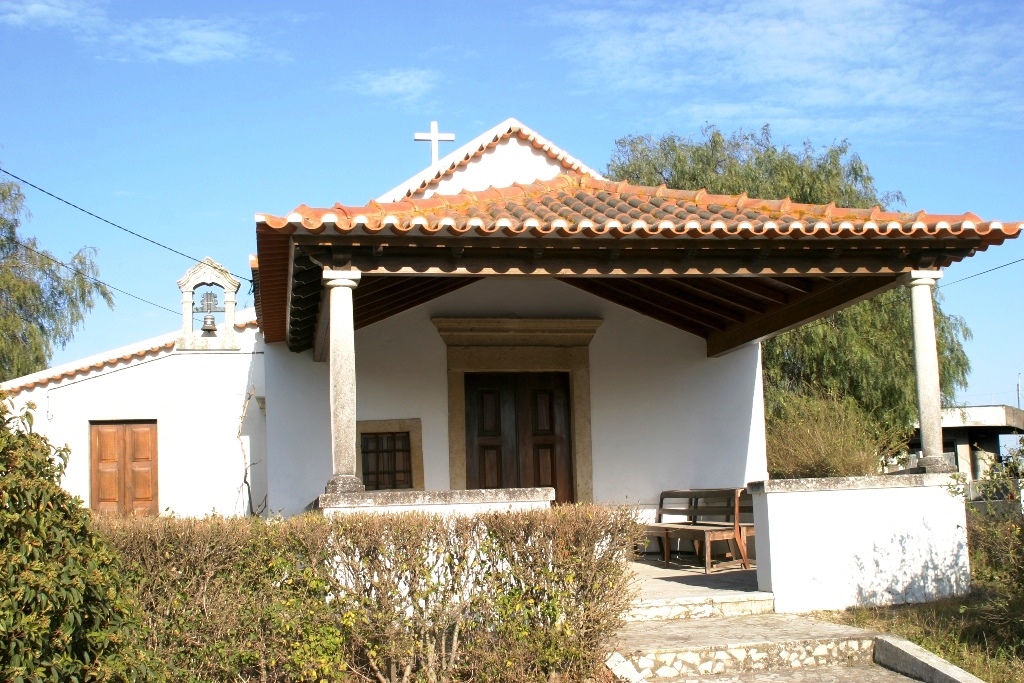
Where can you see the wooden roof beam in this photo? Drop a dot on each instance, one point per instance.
(833, 297)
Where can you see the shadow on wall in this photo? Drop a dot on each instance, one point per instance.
(907, 570)
(252, 443)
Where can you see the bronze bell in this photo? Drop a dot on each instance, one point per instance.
(209, 324)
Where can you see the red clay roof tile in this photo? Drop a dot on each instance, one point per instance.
(581, 206)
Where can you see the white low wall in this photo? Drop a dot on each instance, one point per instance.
(836, 543)
(473, 502)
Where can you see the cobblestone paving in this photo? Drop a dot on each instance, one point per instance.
(730, 631)
(835, 674)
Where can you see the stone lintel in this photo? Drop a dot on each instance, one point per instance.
(517, 331)
(884, 481)
(415, 499)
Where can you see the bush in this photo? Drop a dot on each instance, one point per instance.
(511, 597)
(825, 436)
(995, 529)
(65, 613)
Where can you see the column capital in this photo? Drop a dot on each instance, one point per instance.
(340, 278)
(923, 277)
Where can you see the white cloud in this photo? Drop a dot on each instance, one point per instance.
(403, 84)
(49, 13)
(183, 41)
(861, 62)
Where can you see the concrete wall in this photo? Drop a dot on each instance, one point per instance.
(196, 398)
(835, 543)
(663, 414)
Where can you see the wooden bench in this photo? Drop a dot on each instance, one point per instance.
(702, 532)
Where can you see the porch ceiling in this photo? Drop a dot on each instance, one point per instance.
(729, 269)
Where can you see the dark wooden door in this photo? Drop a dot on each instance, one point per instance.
(124, 468)
(518, 431)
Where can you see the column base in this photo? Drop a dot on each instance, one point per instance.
(935, 465)
(344, 483)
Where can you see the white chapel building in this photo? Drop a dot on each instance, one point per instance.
(509, 329)
(504, 319)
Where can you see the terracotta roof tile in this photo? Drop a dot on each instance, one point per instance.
(67, 372)
(582, 206)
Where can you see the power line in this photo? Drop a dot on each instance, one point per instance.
(89, 277)
(825, 320)
(984, 272)
(108, 222)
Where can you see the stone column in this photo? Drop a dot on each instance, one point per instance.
(342, 366)
(926, 369)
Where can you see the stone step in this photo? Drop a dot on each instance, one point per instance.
(830, 674)
(679, 649)
(722, 604)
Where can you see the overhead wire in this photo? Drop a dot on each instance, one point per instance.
(895, 302)
(89, 277)
(112, 223)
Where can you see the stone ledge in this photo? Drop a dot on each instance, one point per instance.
(885, 481)
(416, 499)
(904, 657)
(701, 607)
(672, 663)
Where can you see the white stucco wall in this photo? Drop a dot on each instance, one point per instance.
(298, 429)
(836, 543)
(663, 414)
(196, 398)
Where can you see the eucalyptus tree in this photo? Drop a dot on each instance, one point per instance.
(42, 300)
(863, 352)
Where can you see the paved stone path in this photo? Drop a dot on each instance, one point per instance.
(835, 674)
(676, 580)
(730, 632)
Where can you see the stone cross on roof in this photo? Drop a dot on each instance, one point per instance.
(433, 137)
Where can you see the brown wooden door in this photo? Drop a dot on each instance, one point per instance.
(124, 468)
(518, 431)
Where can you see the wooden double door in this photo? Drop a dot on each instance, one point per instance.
(518, 431)
(124, 472)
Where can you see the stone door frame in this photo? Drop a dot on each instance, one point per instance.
(520, 345)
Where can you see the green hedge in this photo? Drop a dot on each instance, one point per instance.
(65, 612)
(505, 596)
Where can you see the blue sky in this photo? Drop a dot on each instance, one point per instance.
(180, 120)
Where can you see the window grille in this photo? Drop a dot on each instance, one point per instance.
(387, 461)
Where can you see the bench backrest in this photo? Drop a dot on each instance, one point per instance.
(728, 503)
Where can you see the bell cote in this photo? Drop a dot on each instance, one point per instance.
(214, 331)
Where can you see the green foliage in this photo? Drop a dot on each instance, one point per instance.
(863, 352)
(509, 597)
(826, 436)
(41, 302)
(751, 163)
(232, 599)
(65, 614)
(995, 527)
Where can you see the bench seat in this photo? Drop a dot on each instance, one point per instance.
(703, 503)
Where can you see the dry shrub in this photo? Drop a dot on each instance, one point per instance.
(995, 532)
(825, 436)
(504, 596)
(229, 599)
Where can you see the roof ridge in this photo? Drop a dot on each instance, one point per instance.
(489, 139)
